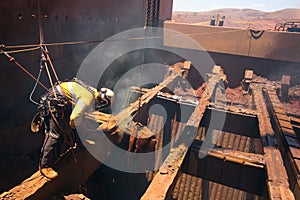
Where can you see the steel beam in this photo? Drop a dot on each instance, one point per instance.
(277, 178)
(240, 170)
(245, 120)
(84, 164)
(71, 175)
(164, 181)
(235, 122)
(288, 141)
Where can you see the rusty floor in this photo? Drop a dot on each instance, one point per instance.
(107, 183)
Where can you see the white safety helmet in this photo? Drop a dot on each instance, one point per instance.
(105, 97)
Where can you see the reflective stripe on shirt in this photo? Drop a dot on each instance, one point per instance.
(59, 90)
(70, 87)
(81, 104)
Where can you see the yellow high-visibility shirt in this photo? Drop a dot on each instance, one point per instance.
(81, 97)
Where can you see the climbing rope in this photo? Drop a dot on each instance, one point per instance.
(30, 47)
(49, 76)
(51, 64)
(35, 85)
(12, 59)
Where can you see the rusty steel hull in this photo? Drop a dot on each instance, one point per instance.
(268, 129)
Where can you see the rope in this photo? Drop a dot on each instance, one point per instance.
(36, 46)
(21, 50)
(12, 59)
(41, 33)
(50, 79)
(52, 67)
(19, 46)
(34, 87)
(44, 50)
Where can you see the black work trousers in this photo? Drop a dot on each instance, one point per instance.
(56, 126)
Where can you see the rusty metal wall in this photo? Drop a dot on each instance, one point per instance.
(244, 42)
(63, 21)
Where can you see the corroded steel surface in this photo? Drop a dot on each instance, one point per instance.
(277, 179)
(288, 141)
(164, 181)
(190, 187)
(37, 187)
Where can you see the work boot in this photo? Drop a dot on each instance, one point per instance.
(49, 173)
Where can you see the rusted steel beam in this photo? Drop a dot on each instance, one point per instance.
(246, 123)
(36, 187)
(251, 159)
(277, 178)
(125, 117)
(285, 85)
(184, 100)
(288, 141)
(244, 171)
(164, 181)
(247, 81)
(248, 159)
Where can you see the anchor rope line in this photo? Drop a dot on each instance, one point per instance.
(49, 77)
(35, 85)
(46, 58)
(12, 59)
(51, 65)
(114, 40)
(22, 50)
(43, 49)
(41, 32)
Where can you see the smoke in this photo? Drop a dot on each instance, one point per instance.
(140, 76)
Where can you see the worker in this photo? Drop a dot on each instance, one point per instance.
(213, 21)
(221, 22)
(63, 107)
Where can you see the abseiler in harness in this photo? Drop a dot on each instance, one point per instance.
(61, 110)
